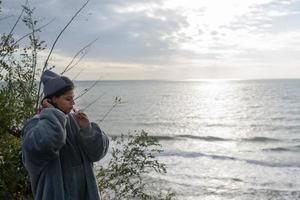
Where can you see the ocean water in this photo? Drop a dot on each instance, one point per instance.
(221, 139)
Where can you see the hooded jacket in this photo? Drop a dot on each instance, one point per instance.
(59, 156)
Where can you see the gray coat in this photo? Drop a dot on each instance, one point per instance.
(59, 156)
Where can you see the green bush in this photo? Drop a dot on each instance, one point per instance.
(125, 177)
(14, 182)
(17, 99)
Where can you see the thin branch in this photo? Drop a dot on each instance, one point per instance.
(78, 61)
(61, 32)
(93, 102)
(47, 59)
(77, 74)
(69, 67)
(117, 101)
(11, 31)
(24, 36)
(35, 30)
(34, 51)
(87, 89)
(14, 26)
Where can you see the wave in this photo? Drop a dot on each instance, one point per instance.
(195, 155)
(213, 138)
(220, 125)
(157, 124)
(205, 138)
(297, 147)
(276, 127)
(231, 158)
(163, 137)
(269, 164)
(180, 137)
(260, 139)
(277, 118)
(277, 149)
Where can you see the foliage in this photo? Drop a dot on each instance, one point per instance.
(17, 99)
(14, 182)
(125, 177)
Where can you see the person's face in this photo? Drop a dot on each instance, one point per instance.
(65, 102)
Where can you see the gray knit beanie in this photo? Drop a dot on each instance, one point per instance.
(53, 82)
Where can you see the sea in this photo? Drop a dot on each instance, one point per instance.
(221, 139)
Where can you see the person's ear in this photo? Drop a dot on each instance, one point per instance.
(54, 100)
(48, 100)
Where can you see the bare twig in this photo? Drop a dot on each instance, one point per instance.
(35, 30)
(78, 61)
(31, 23)
(48, 57)
(70, 66)
(93, 102)
(77, 74)
(11, 31)
(117, 101)
(14, 26)
(61, 32)
(24, 36)
(87, 89)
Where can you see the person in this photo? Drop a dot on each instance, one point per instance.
(59, 146)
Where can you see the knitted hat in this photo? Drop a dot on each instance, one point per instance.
(53, 82)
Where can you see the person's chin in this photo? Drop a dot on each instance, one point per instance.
(67, 111)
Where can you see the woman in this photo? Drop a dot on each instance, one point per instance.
(59, 147)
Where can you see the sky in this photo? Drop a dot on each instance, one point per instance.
(169, 39)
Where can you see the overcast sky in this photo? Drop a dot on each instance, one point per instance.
(171, 39)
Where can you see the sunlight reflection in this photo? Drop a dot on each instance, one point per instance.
(220, 102)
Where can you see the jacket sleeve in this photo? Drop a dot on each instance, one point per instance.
(43, 136)
(94, 142)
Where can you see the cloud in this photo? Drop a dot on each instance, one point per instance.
(157, 34)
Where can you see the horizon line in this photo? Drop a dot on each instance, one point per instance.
(193, 80)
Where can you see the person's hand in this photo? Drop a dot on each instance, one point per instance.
(82, 119)
(46, 103)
